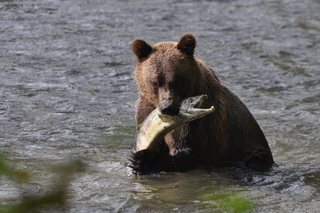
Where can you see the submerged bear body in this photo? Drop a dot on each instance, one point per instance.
(167, 73)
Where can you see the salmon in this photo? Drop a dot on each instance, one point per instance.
(156, 125)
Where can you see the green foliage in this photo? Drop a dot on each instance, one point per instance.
(13, 174)
(228, 202)
(57, 192)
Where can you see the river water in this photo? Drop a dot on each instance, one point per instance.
(67, 94)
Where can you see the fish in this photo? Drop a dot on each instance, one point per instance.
(156, 125)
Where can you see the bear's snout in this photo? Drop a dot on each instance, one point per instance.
(169, 102)
(169, 108)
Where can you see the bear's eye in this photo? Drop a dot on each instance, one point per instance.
(155, 84)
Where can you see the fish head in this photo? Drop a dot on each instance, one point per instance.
(192, 102)
(190, 108)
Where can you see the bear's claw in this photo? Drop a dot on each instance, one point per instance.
(144, 162)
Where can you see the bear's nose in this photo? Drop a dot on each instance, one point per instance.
(168, 109)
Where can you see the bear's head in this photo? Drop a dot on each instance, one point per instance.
(167, 72)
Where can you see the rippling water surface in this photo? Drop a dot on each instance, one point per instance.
(67, 93)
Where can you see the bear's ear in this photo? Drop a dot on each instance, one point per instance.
(141, 49)
(187, 44)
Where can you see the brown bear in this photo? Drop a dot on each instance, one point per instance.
(167, 73)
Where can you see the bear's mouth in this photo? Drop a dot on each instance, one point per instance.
(168, 108)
